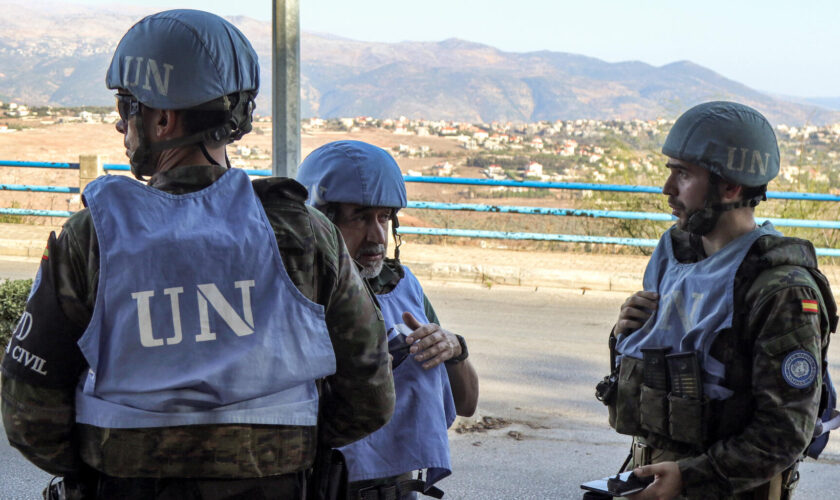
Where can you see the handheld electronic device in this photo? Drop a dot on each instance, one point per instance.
(619, 485)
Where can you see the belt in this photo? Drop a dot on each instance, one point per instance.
(396, 490)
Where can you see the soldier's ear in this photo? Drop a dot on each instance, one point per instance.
(166, 124)
(730, 192)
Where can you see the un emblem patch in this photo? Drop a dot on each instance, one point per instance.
(799, 369)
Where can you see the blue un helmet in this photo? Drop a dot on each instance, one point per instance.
(353, 172)
(733, 142)
(186, 60)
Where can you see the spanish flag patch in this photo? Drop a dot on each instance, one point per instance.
(809, 306)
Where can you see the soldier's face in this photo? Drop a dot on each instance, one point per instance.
(365, 232)
(686, 188)
(126, 123)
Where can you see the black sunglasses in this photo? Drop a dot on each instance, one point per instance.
(127, 105)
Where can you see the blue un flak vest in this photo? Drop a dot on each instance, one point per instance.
(695, 304)
(416, 436)
(196, 320)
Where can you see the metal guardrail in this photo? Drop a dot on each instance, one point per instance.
(468, 233)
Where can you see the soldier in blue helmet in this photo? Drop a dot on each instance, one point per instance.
(198, 336)
(361, 189)
(718, 364)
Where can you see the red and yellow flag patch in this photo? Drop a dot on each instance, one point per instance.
(46, 254)
(809, 306)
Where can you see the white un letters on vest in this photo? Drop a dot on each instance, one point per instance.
(207, 293)
(675, 302)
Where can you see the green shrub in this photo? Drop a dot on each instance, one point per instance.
(13, 296)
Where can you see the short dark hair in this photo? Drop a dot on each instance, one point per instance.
(753, 192)
(196, 120)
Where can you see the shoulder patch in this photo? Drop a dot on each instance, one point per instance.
(810, 306)
(799, 369)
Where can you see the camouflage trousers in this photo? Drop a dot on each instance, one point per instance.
(642, 454)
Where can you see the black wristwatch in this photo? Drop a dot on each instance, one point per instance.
(464, 353)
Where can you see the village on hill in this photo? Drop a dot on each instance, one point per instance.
(601, 151)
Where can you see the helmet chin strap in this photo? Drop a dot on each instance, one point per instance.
(703, 221)
(141, 159)
(395, 224)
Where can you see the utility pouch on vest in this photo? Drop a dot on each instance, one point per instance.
(656, 369)
(686, 419)
(653, 399)
(653, 411)
(624, 414)
(684, 371)
(686, 404)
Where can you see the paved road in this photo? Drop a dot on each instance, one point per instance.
(539, 354)
(18, 268)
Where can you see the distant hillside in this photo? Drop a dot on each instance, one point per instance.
(57, 53)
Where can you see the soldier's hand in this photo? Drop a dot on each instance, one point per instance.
(434, 344)
(635, 311)
(668, 483)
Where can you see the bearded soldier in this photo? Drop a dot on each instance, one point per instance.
(718, 362)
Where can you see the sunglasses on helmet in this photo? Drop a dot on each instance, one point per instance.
(127, 105)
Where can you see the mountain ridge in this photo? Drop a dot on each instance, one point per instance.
(56, 53)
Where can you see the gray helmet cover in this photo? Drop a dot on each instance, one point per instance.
(729, 139)
(352, 172)
(180, 59)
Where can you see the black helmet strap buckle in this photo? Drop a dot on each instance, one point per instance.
(702, 221)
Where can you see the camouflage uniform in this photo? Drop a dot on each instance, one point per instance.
(356, 400)
(763, 429)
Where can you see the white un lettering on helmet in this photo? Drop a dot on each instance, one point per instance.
(737, 160)
(142, 71)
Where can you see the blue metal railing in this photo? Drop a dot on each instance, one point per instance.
(613, 214)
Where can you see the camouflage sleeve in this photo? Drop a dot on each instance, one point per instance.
(359, 398)
(39, 422)
(430, 311)
(41, 367)
(786, 368)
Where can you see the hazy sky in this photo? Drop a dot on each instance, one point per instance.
(783, 47)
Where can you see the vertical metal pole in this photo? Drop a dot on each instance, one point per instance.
(285, 88)
(90, 167)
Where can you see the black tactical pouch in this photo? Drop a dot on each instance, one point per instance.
(687, 406)
(654, 413)
(687, 422)
(624, 414)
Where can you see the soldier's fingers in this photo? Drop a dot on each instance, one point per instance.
(430, 340)
(411, 321)
(421, 332)
(634, 312)
(438, 353)
(432, 351)
(639, 301)
(627, 325)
